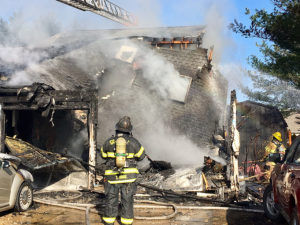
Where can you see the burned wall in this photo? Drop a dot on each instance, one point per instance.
(202, 113)
(256, 123)
(198, 118)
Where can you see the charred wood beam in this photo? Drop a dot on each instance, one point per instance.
(66, 95)
(63, 106)
(20, 107)
(58, 98)
(55, 93)
(188, 196)
(233, 145)
(92, 131)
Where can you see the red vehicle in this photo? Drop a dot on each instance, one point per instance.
(282, 196)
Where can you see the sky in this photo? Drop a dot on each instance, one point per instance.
(232, 50)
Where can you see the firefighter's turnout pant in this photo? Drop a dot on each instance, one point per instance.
(112, 191)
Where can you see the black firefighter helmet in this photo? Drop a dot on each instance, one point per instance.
(124, 125)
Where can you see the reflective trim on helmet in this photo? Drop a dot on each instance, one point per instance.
(130, 155)
(104, 155)
(126, 221)
(111, 155)
(121, 181)
(112, 142)
(109, 219)
(140, 152)
(130, 170)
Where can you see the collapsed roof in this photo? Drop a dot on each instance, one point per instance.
(120, 63)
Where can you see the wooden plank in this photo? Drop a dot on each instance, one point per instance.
(59, 96)
(66, 106)
(92, 130)
(20, 107)
(233, 145)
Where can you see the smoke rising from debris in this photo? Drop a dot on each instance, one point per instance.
(216, 31)
(149, 115)
(147, 103)
(18, 45)
(164, 78)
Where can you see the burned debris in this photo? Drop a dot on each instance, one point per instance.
(53, 128)
(39, 125)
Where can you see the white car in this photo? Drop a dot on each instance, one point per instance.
(15, 185)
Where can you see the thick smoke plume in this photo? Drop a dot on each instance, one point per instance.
(149, 107)
(149, 114)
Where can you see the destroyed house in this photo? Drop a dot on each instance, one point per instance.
(40, 126)
(114, 62)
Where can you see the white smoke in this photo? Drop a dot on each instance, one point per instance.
(19, 55)
(165, 79)
(157, 137)
(19, 38)
(165, 144)
(149, 107)
(216, 31)
(234, 73)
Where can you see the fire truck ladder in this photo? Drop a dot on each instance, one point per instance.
(103, 8)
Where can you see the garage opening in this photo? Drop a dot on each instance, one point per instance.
(52, 132)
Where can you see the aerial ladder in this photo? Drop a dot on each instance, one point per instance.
(104, 8)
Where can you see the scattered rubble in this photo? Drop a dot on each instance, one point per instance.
(53, 131)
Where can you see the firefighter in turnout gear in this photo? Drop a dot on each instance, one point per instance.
(274, 146)
(121, 153)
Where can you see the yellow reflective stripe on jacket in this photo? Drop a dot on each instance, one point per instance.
(110, 172)
(126, 221)
(122, 177)
(130, 170)
(109, 219)
(121, 181)
(130, 155)
(140, 152)
(111, 155)
(125, 171)
(104, 155)
(107, 154)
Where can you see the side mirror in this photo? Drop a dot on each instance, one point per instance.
(274, 157)
(6, 164)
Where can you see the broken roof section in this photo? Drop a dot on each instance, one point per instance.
(154, 32)
(73, 60)
(31, 156)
